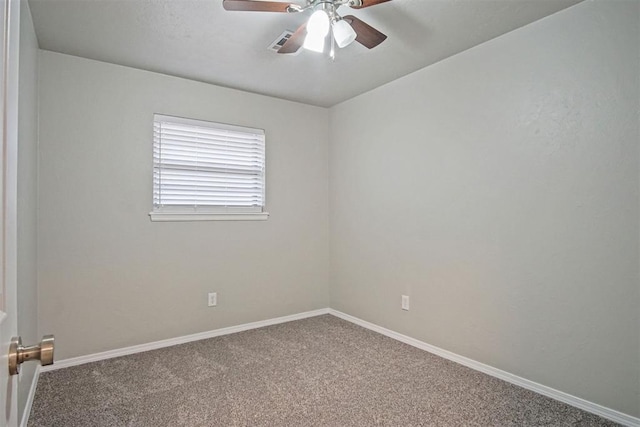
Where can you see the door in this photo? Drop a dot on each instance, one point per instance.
(10, 18)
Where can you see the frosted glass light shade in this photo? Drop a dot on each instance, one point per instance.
(314, 42)
(318, 24)
(343, 34)
(317, 29)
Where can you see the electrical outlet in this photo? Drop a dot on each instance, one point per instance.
(213, 299)
(405, 302)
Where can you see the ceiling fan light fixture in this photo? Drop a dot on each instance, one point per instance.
(314, 43)
(317, 29)
(324, 20)
(319, 24)
(343, 33)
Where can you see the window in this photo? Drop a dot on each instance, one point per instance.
(207, 171)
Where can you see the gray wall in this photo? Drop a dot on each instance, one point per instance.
(27, 196)
(108, 276)
(499, 190)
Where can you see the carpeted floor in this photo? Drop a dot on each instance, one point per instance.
(321, 371)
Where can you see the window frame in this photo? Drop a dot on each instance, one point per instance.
(207, 213)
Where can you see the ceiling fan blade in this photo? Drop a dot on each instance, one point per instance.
(367, 35)
(259, 6)
(295, 41)
(367, 3)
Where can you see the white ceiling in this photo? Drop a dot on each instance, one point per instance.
(199, 40)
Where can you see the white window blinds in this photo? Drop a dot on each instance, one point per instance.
(206, 167)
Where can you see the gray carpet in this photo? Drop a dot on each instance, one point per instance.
(320, 371)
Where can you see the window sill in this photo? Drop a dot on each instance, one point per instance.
(167, 216)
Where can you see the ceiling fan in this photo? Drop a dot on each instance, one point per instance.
(325, 21)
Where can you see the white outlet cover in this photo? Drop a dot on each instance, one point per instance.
(405, 302)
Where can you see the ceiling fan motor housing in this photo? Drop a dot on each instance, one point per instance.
(328, 6)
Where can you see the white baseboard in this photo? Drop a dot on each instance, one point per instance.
(81, 360)
(32, 394)
(569, 399)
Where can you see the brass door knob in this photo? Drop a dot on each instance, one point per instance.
(19, 354)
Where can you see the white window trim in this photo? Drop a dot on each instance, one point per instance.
(166, 216)
(171, 213)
